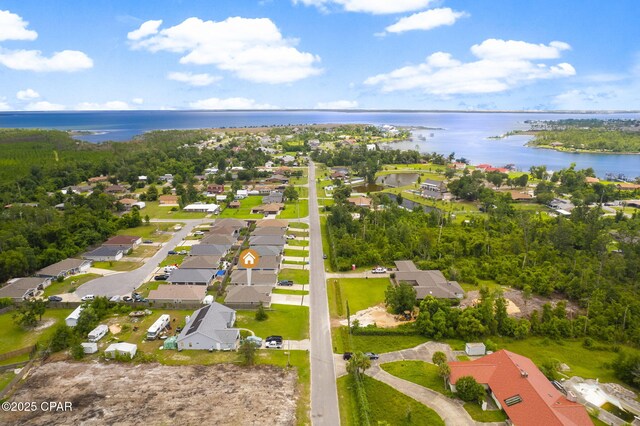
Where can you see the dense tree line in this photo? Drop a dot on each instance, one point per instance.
(590, 139)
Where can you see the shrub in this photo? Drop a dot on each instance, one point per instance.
(261, 313)
(77, 351)
(468, 389)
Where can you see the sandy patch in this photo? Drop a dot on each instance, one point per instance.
(115, 328)
(377, 315)
(44, 324)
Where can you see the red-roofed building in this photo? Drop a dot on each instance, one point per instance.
(521, 390)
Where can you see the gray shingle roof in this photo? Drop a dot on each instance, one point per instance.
(200, 262)
(103, 251)
(239, 277)
(203, 276)
(61, 267)
(267, 240)
(209, 249)
(213, 321)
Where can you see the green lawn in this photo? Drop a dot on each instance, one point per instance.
(151, 285)
(244, 211)
(325, 243)
(476, 413)
(296, 253)
(298, 233)
(298, 225)
(117, 266)
(280, 290)
(69, 284)
(154, 231)
(143, 251)
(298, 276)
(387, 405)
(172, 259)
(5, 378)
(14, 337)
(294, 262)
(290, 322)
(295, 210)
(490, 284)
(418, 372)
(361, 293)
(343, 342)
(156, 211)
(298, 243)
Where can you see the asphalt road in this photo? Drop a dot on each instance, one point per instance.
(324, 392)
(125, 282)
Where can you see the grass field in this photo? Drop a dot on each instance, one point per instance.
(298, 243)
(14, 337)
(154, 231)
(68, 284)
(143, 251)
(298, 276)
(5, 378)
(476, 413)
(343, 342)
(117, 266)
(244, 211)
(172, 259)
(295, 210)
(296, 253)
(387, 405)
(290, 322)
(281, 290)
(361, 293)
(156, 211)
(298, 225)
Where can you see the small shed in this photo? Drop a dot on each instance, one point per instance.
(121, 349)
(89, 348)
(72, 319)
(475, 349)
(171, 343)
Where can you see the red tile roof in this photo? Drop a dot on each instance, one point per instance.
(509, 374)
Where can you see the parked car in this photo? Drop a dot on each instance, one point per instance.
(161, 277)
(290, 237)
(115, 298)
(55, 299)
(198, 233)
(324, 256)
(273, 344)
(287, 283)
(87, 298)
(169, 268)
(271, 338)
(173, 252)
(183, 252)
(127, 299)
(148, 242)
(371, 355)
(379, 270)
(347, 356)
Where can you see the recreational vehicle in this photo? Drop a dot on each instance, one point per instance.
(161, 323)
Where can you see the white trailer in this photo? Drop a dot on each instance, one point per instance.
(161, 323)
(98, 333)
(72, 319)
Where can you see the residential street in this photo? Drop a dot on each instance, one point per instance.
(324, 392)
(123, 283)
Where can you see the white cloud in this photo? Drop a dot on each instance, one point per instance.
(341, 104)
(32, 60)
(443, 75)
(426, 20)
(377, 7)
(229, 103)
(251, 49)
(4, 106)
(194, 79)
(137, 101)
(43, 106)
(27, 95)
(512, 49)
(146, 29)
(107, 106)
(13, 27)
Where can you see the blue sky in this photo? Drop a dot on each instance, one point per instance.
(368, 54)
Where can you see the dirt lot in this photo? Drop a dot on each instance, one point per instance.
(377, 315)
(153, 394)
(516, 303)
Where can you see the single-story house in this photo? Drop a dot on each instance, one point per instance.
(273, 197)
(288, 159)
(201, 262)
(115, 189)
(427, 283)
(235, 204)
(264, 189)
(590, 179)
(105, 254)
(214, 188)
(273, 208)
(633, 203)
(269, 231)
(248, 297)
(168, 200)
(435, 189)
(167, 177)
(21, 289)
(178, 293)
(339, 175)
(130, 203)
(241, 194)
(217, 239)
(272, 223)
(625, 186)
(121, 349)
(518, 195)
(258, 277)
(278, 179)
(236, 224)
(475, 349)
(181, 276)
(519, 388)
(210, 250)
(125, 242)
(64, 268)
(267, 240)
(269, 250)
(72, 319)
(268, 263)
(209, 328)
(202, 208)
(98, 179)
(359, 201)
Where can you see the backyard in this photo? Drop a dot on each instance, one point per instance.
(69, 285)
(13, 337)
(290, 322)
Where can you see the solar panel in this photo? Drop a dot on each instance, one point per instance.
(513, 400)
(196, 322)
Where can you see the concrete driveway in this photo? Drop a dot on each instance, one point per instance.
(289, 299)
(125, 282)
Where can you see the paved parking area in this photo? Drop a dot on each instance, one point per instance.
(289, 299)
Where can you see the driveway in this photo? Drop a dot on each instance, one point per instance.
(125, 282)
(289, 299)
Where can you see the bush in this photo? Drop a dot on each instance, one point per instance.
(261, 313)
(5, 301)
(62, 338)
(77, 351)
(468, 389)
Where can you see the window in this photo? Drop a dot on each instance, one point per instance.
(513, 400)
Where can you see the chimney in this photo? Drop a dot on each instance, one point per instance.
(524, 374)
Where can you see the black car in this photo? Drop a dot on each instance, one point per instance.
(347, 356)
(148, 242)
(173, 252)
(324, 256)
(274, 338)
(55, 299)
(285, 282)
(371, 355)
(161, 277)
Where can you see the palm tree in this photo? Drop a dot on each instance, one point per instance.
(444, 371)
(358, 363)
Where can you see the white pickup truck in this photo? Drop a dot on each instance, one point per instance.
(379, 270)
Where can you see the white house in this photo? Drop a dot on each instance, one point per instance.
(371, 147)
(142, 178)
(72, 319)
(241, 194)
(209, 328)
(121, 349)
(202, 208)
